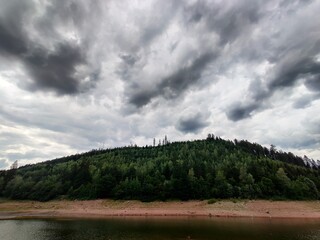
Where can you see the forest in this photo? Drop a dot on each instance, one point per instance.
(199, 169)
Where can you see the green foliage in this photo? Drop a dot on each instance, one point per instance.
(203, 169)
(212, 201)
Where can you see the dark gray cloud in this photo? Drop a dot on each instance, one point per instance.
(238, 112)
(126, 68)
(53, 66)
(12, 35)
(129, 59)
(294, 69)
(305, 101)
(56, 70)
(176, 84)
(191, 123)
(294, 63)
(142, 97)
(227, 20)
(287, 75)
(313, 82)
(186, 76)
(10, 43)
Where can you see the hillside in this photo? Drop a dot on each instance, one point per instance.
(201, 169)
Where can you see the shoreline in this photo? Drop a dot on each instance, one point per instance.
(100, 209)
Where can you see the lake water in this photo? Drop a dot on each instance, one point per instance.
(159, 229)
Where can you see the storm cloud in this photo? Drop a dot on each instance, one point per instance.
(192, 123)
(56, 65)
(238, 112)
(176, 84)
(287, 75)
(294, 61)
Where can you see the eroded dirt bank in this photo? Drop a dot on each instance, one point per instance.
(107, 208)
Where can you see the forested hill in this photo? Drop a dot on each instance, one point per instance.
(201, 169)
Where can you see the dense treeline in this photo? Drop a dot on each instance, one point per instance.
(202, 169)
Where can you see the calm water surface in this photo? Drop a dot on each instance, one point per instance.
(151, 228)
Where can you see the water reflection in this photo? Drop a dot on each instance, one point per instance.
(155, 228)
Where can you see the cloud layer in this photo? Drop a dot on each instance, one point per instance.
(37, 37)
(76, 75)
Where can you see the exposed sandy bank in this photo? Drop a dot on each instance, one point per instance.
(107, 208)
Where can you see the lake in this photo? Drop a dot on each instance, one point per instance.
(159, 228)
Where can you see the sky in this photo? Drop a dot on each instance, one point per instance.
(77, 75)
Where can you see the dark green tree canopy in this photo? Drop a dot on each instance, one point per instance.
(201, 169)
